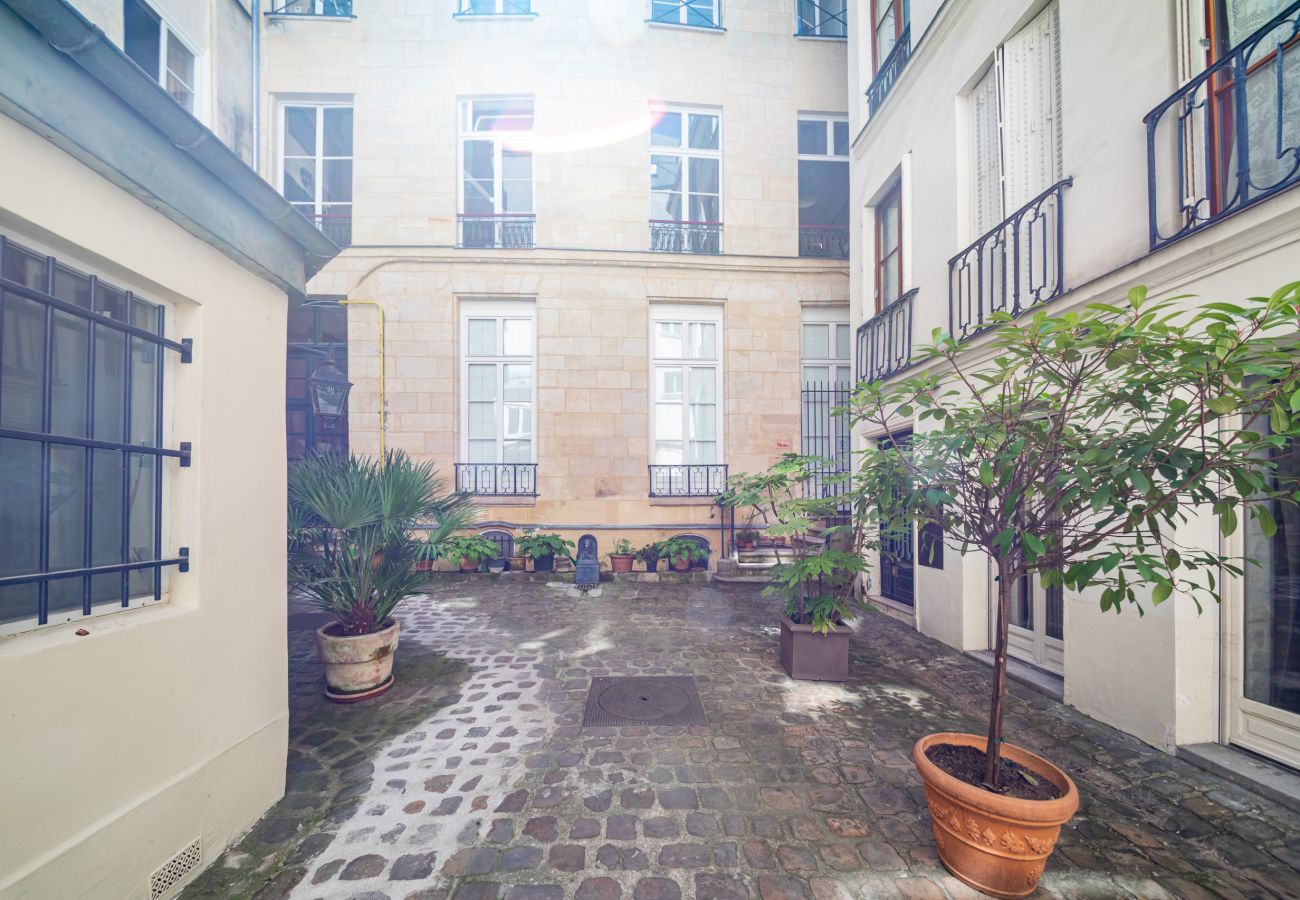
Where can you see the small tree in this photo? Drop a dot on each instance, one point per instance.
(1076, 451)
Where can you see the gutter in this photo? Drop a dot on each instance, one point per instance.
(71, 34)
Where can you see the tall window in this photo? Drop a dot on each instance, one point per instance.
(496, 7)
(822, 18)
(824, 186)
(1016, 122)
(686, 180)
(497, 381)
(888, 19)
(316, 165)
(686, 372)
(156, 48)
(825, 346)
(889, 247)
(82, 420)
(699, 13)
(496, 185)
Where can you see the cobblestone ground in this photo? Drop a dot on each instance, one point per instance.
(473, 778)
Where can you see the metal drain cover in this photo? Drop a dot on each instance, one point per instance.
(652, 700)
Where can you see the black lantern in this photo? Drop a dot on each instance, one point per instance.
(328, 388)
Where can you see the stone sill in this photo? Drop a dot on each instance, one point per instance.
(708, 29)
(495, 500)
(1029, 675)
(821, 37)
(476, 17)
(1274, 781)
(681, 501)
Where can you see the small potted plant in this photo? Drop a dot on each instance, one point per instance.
(543, 548)
(649, 554)
(471, 551)
(746, 538)
(622, 557)
(681, 553)
(517, 562)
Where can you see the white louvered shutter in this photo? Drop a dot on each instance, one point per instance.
(988, 152)
(1031, 103)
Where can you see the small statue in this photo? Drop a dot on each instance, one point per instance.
(587, 568)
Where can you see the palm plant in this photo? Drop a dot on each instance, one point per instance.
(353, 532)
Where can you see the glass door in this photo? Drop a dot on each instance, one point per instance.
(897, 555)
(1037, 627)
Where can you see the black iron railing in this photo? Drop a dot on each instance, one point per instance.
(885, 340)
(1015, 265)
(695, 480)
(505, 231)
(826, 436)
(817, 19)
(671, 236)
(825, 241)
(328, 8)
(497, 479)
(890, 69)
(692, 13)
(496, 7)
(1233, 131)
(335, 226)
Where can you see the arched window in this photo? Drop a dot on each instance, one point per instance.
(703, 543)
(505, 544)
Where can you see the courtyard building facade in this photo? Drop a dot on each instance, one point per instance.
(1030, 155)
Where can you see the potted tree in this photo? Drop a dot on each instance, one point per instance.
(542, 549)
(681, 553)
(353, 548)
(470, 551)
(622, 557)
(649, 554)
(746, 538)
(1073, 454)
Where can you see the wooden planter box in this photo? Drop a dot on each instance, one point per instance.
(807, 655)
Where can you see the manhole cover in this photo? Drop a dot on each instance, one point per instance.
(659, 700)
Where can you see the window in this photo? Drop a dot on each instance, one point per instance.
(316, 165)
(497, 381)
(686, 372)
(157, 49)
(889, 247)
(1017, 153)
(330, 8)
(496, 7)
(825, 346)
(496, 164)
(824, 187)
(822, 18)
(82, 424)
(685, 180)
(696, 13)
(888, 20)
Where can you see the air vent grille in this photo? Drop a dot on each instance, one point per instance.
(174, 870)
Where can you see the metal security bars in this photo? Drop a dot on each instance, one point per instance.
(1015, 265)
(692, 13)
(695, 480)
(825, 241)
(885, 340)
(890, 70)
(335, 226)
(512, 231)
(671, 236)
(826, 435)
(324, 8)
(81, 443)
(1232, 132)
(822, 18)
(496, 7)
(497, 479)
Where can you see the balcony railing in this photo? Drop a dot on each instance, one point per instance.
(671, 236)
(696, 480)
(496, 8)
(497, 479)
(885, 340)
(1232, 132)
(1016, 265)
(824, 241)
(890, 69)
(816, 19)
(340, 9)
(505, 231)
(335, 226)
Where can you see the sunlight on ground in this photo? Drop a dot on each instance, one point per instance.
(814, 698)
(542, 641)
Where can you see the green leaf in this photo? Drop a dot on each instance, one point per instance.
(986, 473)
(1161, 592)
(1140, 481)
(1222, 405)
(1033, 544)
(1267, 524)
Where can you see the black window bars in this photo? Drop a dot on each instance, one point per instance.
(81, 430)
(337, 9)
(885, 340)
(500, 231)
(688, 480)
(687, 13)
(675, 236)
(817, 18)
(497, 479)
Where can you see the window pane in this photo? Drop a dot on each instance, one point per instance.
(23, 359)
(704, 176)
(68, 382)
(704, 208)
(812, 136)
(668, 385)
(816, 374)
(337, 130)
(518, 422)
(889, 280)
(480, 195)
(666, 129)
(516, 196)
(816, 341)
(841, 342)
(300, 181)
(300, 131)
(482, 423)
(666, 206)
(842, 375)
(668, 422)
(704, 386)
(517, 451)
(701, 12)
(338, 180)
(518, 337)
(889, 228)
(141, 518)
(106, 508)
(665, 173)
(517, 383)
(704, 422)
(26, 268)
(823, 193)
(885, 32)
(180, 72)
(144, 393)
(841, 130)
(668, 340)
(110, 385)
(668, 453)
(482, 451)
(703, 452)
(72, 286)
(704, 340)
(20, 523)
(482, 382)
(482, 339)
(704, 131)
(502, 114)
(142, 36)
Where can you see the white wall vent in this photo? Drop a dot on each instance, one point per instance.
(172, 872)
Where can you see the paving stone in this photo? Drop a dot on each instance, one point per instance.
(759, 855)
(366, 866)
(535, 892)
(517, 859)
(679, 798)
(781, 887)
(711, 886)
(542, 828)
(471, 861)
(661, 827)
(412, 867)
(599, 889)
(567, 857)
(685, 856)
(656, 889)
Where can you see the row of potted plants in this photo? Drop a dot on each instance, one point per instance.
(679, 553)
(474, 552)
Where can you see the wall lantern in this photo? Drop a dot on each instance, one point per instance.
(328, 388)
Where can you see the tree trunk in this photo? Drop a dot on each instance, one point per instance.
(993, 752)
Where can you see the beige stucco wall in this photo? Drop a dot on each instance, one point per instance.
(166, 723)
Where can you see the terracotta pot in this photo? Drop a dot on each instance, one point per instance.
(621, 563)
(811, 656)
(996, 844)
(682, 565)
(357, 667)
(746, 545)
(467, 566)
(518, 564)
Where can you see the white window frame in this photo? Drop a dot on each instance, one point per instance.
(829, 121)
(318, 201)
(682, 15)
(499, 310)
(833, 318)
(687, 314)
(168, 31)
(500, 12)
(815, 30)
(685, 153)
(466, 132)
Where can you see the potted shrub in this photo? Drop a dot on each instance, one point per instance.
(470, 551)
(542, 549)
(681, 553)
(518, 562)
(621, 559)
(649, 554)
(353, 550)
(1074, 454)
(746, 538)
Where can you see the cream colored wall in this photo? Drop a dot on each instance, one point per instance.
(170, 722)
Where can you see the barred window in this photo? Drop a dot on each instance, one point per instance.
(82, 455)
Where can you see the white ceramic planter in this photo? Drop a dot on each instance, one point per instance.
(357, 666)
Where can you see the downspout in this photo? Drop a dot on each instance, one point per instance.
(257, 89)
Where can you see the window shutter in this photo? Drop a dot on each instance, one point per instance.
(1031, 98)
(988, 166)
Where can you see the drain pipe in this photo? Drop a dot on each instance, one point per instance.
(257, 88)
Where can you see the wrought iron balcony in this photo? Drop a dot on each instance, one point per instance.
(817, 19)
(890, 69)
(506, 231)
(694, 480)
(1227, 139)
(335, 226)
(825, 241)
(338, 9)
(671, 236)
(1016, 265)
(496, 8)
(497, 479)
(885, 340)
